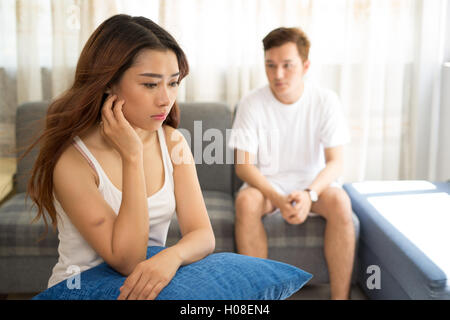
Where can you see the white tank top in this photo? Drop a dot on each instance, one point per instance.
(75, 254)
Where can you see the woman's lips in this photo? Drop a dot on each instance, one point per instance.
(160, 116)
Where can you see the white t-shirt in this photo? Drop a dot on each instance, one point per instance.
(289, 139)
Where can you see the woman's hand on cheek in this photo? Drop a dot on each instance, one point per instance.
(150, 276)
(117, 130)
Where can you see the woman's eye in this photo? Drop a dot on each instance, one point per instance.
(174, 84)
(150, 85)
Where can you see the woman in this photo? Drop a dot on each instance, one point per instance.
(105, 171)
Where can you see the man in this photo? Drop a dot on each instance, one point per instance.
(288, 138)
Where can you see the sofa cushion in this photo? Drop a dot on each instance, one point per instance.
(299, 245)
(302, 245)
(219, 276)
(18, 236)
(221, 213)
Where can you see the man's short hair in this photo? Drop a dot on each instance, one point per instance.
(280, 36)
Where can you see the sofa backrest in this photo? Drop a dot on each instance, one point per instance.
(207, 124)
(237, 183)
(197, 118)
(30, 122)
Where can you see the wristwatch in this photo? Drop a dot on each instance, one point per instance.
(312, 194)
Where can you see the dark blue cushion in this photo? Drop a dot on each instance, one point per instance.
(219, 276)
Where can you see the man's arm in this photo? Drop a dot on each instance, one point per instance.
(334, 158)
(248, 172)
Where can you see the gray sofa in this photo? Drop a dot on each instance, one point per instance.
(26, 264)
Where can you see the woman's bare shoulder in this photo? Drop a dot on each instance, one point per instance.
(72, 162)
(172, 135)
(178, 148)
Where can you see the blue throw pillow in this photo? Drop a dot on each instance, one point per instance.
(219, 276)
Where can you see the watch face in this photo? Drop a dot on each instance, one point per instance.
(313, 196)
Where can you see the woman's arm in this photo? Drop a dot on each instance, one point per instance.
(152, 275)
(197, 235)
(120, 240)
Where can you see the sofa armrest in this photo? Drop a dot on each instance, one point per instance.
(7, 171)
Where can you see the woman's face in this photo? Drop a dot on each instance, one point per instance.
(149, 88)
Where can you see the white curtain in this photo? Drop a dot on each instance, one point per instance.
(40, 42)
(364, 50)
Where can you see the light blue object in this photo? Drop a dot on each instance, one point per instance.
(406, 271)
(219, 276)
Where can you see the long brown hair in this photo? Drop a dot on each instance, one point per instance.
(107, 54)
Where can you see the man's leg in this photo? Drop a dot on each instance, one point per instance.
(251, 238)
(339, 243)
